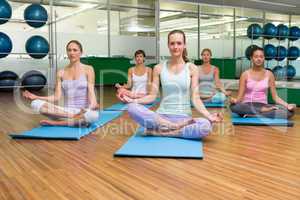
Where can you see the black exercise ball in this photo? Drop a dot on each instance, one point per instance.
(8, 80)
(33, 80)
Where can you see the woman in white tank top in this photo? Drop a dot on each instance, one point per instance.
(139, 79)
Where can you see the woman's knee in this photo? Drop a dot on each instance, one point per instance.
(91, 116)
(37, 104)
(200, 129)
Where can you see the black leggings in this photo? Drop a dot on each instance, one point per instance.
(254, 108)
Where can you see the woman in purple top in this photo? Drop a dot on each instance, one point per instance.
(252, 99)
(76, 83)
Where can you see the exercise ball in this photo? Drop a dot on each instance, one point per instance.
(249, 49)
(35, 15)
(254, 31)
(281, 53)
(5, 11)
(294, 33)
(8, 79)
(279, 72)
(33, 80)
(290, 71)
(270, 51)
(5, 45)
(37, 47)
(293, 53)
(269, 30)
(282, 32)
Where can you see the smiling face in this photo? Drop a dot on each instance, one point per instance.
(258, 58)
(74, 52)
(176, 44)
(206, 56)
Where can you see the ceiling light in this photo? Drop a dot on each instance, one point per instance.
(274, 3)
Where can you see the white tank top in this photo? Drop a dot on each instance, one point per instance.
(139, 83)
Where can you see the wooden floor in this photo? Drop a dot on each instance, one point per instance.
(241, 162)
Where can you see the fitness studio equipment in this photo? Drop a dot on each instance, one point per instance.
(37, 47)
(8, 80)
(254, 31)
(35, 15)
(281, 53)
(293, 53)
(33, 80)
(5, 11)
(290, 71)
(5, 45)
(269, 31)
(270, 51)
(282, 32)
(294, 33)
(279, 72)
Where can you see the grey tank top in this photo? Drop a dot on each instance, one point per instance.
(207, 84)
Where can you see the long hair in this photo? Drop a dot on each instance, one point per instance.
(184, 53)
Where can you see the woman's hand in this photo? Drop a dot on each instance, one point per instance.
(94, 106)
(117, 85)
(233, 100)
(28, 95)
(227, 93)
(291, 107)
(215, 117)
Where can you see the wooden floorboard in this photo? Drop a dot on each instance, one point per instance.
(240, 162)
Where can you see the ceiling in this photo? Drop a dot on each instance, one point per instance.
(280, 6)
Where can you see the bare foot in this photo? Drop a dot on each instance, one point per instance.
(49, 122)
(268, 109)
(79, 115)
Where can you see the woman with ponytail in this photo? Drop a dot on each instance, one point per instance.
(179, 80)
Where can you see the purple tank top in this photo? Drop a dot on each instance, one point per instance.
(256, 91)
(76, 92)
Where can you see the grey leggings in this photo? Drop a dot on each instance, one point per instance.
(254, 108)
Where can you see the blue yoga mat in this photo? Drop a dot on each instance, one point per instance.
(65, 132)
(212, 105)
(259, 121)
(163, 147)
(123, 107)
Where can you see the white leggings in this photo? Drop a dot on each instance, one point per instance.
(90, 116)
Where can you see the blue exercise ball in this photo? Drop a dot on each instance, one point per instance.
(5, 45)
(279, 72)
(294, 33)
(269, 31)
(33, 80)
(281, 53)
(270, 51)
(290, 71)
(5, 11)
(37, 47)
(35, 15)
(254, 31)
(8, 79)
(293, 53)
(282, 32)
(248, 50)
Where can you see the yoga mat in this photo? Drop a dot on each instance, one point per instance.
(139, 145)
(65, 132)
(259, 121)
